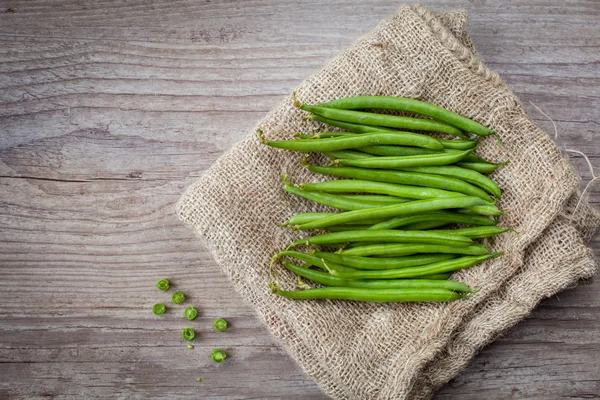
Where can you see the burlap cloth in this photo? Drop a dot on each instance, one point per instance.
(384, 351)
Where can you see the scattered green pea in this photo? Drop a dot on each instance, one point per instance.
(218, 355)
(198, 379)
(190, 347)
(188, 333)
(190, 313)
(220, 324)
(163, 284)
(178, 297)
(159, 309)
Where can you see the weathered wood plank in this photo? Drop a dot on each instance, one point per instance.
(110, 109)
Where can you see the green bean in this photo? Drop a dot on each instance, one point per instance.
(387, 236)
(188, 333)
(485, 209)
(220, 324)
(395, 249)
(393, 210)
(481, 167)
(476, 232)
(367, 186)
(437, 276)
(410, 105)
(413, 272)
(391, 121)
(336, 201)
(344, 228)
(465, 174)
(303, 218)
(382, 263)
(445, 216)
(373, 295)
(159, 309)
(163, 284)
(348, 154)
(310, 260)
(398, 151)
(402, 162)
(326, 279)
(375, 198)
(190, 313)
(352, 142)
(218, 355)
(421, 226)
(178, 298)
(405, 178)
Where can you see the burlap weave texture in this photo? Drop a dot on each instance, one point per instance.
(358, 350)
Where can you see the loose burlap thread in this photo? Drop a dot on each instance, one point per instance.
(361, 350)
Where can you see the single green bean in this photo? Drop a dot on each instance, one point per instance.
(437, 276)
(336, 201)
(421, 226)
(382, 263)
(393, 210)
(387, 236)
(375, 198)
(348, 154)
(481, 167)
(413, 272)
(326, 279)
(485, 209)
(397, 151)
(465, 174)
(478, 232)
(395, 249)
(367, 186)
(405, 178)
(373, 295)
(310, 260)
(304, 218)
(445, 216)
(353, 142)
(391, 121)
(403, 162)
(409, 105)
(344, 228)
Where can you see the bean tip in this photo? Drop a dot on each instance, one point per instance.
(261, 137)
(296, 103)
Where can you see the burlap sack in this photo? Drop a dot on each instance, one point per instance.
(357, 350)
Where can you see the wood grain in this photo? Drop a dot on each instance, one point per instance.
(110, 109)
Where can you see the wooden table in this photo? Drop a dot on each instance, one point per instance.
(110, 109)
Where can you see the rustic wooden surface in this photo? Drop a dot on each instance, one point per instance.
(110, 109)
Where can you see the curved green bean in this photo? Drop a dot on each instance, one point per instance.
(373, 295)
(413, 272)
(384, 188)
(395, 249)
(481, 167)
(386, 236)
(353, 142)
(310, 260)
(391, 121)
(382, 263)
(404, 162)
(445, 216)
(326, 279)
(393, 210)
(478, 232)
(409, 105)
(341, 202)
(405, 178)
(465, 174)
(304, 218)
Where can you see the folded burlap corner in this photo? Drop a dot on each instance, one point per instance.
(358, 350)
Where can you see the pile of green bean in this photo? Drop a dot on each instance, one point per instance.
(401, 196)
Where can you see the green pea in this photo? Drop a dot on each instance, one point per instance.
(178, 297)
(159, 309)
(188, 333)
(218, 355)
(190, 313)
(190, 347)
(163, 284)
(220, 324)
